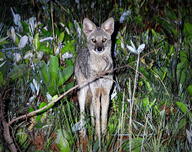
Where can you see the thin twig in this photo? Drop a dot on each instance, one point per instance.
(45, 108)
(33, 113)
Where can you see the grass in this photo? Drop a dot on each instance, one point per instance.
(143, 116)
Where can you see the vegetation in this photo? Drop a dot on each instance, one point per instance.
(151, 102)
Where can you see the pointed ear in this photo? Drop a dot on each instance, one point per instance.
(88, 26)
(108, 26)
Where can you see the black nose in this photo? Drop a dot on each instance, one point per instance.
(99, 48)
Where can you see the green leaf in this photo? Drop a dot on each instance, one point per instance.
(21, 136)
(182, 123)
(54, 74)
(182, 107)
(2, 42)
(25, 27)
(183, 56)
(42, 104)
(67, 87)
(18, 71)
(67, 72)
(187, 29)
(61, 78)
(145, 101)
(189, 89)
(17, 40)
(53, 67)
(45, 49)
(61, 37)
(69, 47)
(36, 41)
(183, 76)
(149, 88)
(31, 109)
(2, 82)
(44, 74)
(62, 142)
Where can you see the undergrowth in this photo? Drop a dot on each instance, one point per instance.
(150, 107)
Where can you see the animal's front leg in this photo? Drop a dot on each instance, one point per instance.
(96, 108)
(92, 114)
(105, 100)
(82, 99)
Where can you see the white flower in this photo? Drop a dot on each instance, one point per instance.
(32, 98)
(66, 55)
(67, 30)
(16, 18)
(16, 57)
(114, 93)
(46, 39)
(35, 87)
(12, 34)
(49, 97)
(78, 28)
(30, 39)
(40, 55)
(78, 126)
(122, 45)
(28, 55)
(77, 1)
(133, 49)
(141, 48)
(92, 4)
(33, 23)
(124, 15)
(23, 41)
(116, 88)
(58, 49)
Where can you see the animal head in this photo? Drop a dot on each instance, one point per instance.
(98, 38)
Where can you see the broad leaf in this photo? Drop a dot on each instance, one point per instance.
(53, 67)
(44, 74)
(36, 41)
(182, 107)
(189, 89)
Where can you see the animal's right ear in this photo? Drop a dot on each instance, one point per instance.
(88, 26)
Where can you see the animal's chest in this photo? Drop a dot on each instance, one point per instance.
(99, 64)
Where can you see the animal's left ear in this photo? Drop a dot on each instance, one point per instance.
(108, 26)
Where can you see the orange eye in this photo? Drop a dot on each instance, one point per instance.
(93, 40)
(104, 40)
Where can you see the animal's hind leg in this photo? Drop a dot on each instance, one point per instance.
(96, 108)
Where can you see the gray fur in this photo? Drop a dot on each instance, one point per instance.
(90, 62)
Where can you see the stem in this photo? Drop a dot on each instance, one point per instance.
(48, 106)
(45, 108)
(52, 24)
(132, 103)
(144, 133)
(122, 122)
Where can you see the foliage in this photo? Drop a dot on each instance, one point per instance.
(37, 61)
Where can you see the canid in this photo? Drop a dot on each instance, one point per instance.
(90, 62)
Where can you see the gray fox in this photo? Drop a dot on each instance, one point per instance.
(91, 61)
